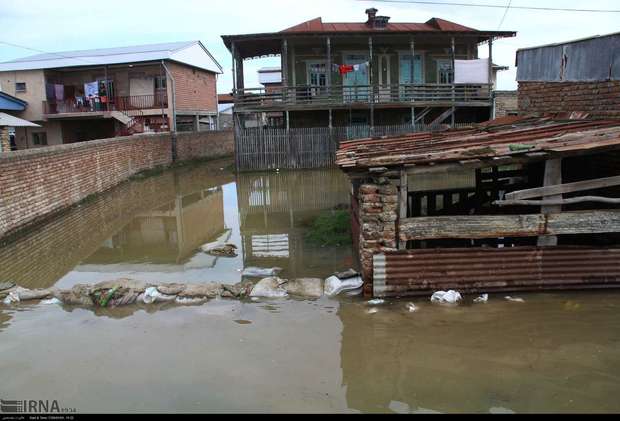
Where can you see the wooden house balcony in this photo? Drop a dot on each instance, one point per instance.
(362, 96)
(94, 106)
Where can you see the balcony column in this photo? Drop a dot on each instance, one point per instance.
(328, 81)
(234, 65)
(284, 66)
(453, 57)
(490, 62)
(371, 81)
(240, 76)
(412, 47)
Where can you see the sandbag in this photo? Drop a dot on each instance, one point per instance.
(305, 287)
(446, 297)
(270, 288)
(335, 286)
(254, 272)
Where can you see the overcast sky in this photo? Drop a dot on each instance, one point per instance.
(63, 25)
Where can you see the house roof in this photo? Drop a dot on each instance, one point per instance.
(433, 25)
(7, 120)
(506, 138)
(192, 53)
(254, 45)
(10, 103)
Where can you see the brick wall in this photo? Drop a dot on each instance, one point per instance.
(36, 183)
(377, 215)
(5, 142)
(506, 103)
(601, 99)
(195, 88)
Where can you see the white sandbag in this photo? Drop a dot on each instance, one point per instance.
(334, 286)
(152, 295)
(53, 301)
(13, 297)
(355, 292)
(269, 288)
(484, 298)
(446, 297)
(190, 301)
(412, 308)
(515, 300)
(254, 272)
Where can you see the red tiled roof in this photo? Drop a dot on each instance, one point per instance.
(433, 25)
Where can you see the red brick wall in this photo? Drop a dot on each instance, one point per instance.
(195, 89)
(38, 182)
(601, 99)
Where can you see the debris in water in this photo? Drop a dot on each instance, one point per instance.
(372, 311)
(376, 302)
(449, 297)
(243, 322)
(515, 300)
(225, 250)
(412, 308)
(484, 298)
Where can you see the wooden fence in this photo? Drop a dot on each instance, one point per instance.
(303, 148)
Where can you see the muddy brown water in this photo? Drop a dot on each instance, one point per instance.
(553, 353)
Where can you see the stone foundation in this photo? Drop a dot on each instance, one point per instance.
(5, 143)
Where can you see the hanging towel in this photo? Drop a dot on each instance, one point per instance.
(91, 90)
(345, 68)
(471, 71)
(59, 92)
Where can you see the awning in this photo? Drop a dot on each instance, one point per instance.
(11, 121)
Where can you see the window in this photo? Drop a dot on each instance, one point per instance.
(444, 71)
(160, 82)
(20, 86)
(39, 139)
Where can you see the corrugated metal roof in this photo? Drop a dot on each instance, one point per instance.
(508, 137)
(435, 24)
(121, 55)
(7, 120)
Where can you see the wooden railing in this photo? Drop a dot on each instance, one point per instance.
(119, 103)
(336, 95)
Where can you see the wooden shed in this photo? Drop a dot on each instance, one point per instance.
(515, 204)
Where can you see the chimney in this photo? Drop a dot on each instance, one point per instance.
(372, 14)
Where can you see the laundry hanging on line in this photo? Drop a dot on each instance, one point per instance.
(343, 69)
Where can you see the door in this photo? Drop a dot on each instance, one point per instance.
(356, 82)
(141, 91)
(385, 78)
(317, 77)
(410, 73)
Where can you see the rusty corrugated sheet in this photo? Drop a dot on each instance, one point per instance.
(489, 141)
(478, 270)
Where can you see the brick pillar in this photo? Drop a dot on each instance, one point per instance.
(5, 143)
(378, 213)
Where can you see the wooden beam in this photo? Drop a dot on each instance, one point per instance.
(495, 226)
(553, 176)
(558, 202)
(404, 198)
(599, 183)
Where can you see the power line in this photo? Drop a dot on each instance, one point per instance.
(497, 6)
(10, 44)
(505, 14)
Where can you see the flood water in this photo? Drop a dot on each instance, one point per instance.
(552, 353)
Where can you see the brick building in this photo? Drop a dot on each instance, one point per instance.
(575, 76)
(93, 94)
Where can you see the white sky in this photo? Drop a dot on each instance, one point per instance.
(63, 25)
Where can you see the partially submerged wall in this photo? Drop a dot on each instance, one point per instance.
(37, 183)
(600, 99)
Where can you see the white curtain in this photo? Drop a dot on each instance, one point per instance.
(471, 71)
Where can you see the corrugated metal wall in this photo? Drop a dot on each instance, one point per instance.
(488, 270)
(588, 60)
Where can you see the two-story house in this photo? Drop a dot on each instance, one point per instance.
(374, 73)
(84, 95)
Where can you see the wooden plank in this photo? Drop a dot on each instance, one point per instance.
(404, 201)
(553, 176)
(599, 183)
(559, 202)
(495, 226)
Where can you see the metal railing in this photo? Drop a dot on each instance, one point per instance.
(337, 95)
(119, 103)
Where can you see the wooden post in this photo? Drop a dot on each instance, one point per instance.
(329, 65)
(234, 65)
(403, 199)
(453, 57)
(284, 57)
(371, 96)
(491, 87)
(553, 176)
(240, 76)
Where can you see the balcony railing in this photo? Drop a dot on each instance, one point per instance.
(119, 103)
(338, 95)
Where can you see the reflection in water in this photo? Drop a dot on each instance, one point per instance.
(152, 229)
